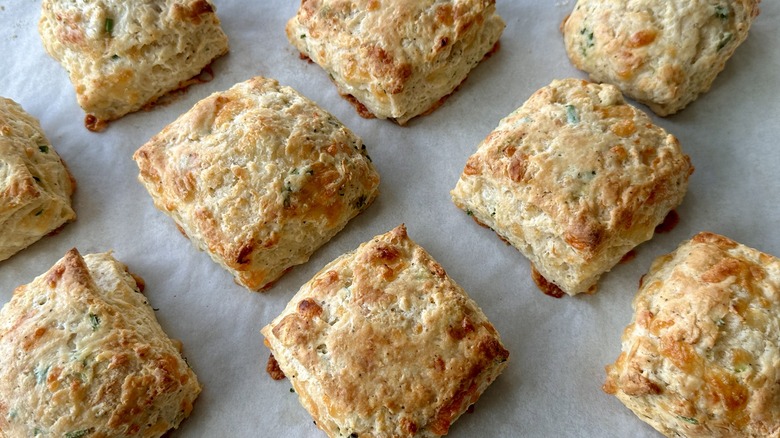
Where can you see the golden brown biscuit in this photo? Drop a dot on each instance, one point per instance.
(381, 342)
(35, 185)
(701, 357)
(124, 55)
(660, 53)
(259, 177)
(574, 179)
(400, 58)
(82, 354)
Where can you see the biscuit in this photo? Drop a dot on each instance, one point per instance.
(82, 354)
(574, 179)
(659, 54)
(396, 59)
(35, 185)
(123, 55)
(259, 177)
(381, 342)
(701, 356)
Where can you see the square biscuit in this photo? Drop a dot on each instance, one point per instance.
(701, 356)
(121, 56)
(381, 342)
(662, 55)
(574, 179)
(82, 354)
(259, 177)
(35, 185)
(396, 59)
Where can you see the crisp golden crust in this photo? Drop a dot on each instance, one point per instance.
(701, 357)
(663, 54)
(122, 55)
(397, 58)
(574, 179)
(259, 177)
(35, 185)
(82, 354)
(381, 342)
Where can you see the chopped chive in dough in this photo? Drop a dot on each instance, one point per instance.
(571, 115)
(109, 25)
(722, 12)
(39, 212)
(94, 320)
(360, 202)
(303, 36)
(78, 433)
(726, 38)
(115, 57)
(688, 419)
(43, 148)
(469, 212)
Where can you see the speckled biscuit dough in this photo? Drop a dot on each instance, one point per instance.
(381, 342)
(124, 55)
(259, 177)
(396, 59)
(35, 185)
(82, 355)
(701, 357)
(574, 179)
(661, 53)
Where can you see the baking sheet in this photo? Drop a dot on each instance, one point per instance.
(558, 347)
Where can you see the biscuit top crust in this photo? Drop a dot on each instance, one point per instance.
(701, 357)
(255, 168)
(661, 53)
(595, 165)
(121, 55)
(81, 353)
(391, 345)
(386, 46)
(35, 185)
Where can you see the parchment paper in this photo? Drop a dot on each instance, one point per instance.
(558, 347)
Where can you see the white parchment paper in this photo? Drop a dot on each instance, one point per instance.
(552, 387)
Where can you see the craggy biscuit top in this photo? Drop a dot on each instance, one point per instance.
(82, 354)
(258, 176)
(661, 53)
(122, 55)
(701, 357)
(381, 342)
(396, 57)
(595, 171)
(35, 185)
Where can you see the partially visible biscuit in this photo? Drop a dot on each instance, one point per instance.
(574, 179)
(124, 55)
(397, 59)
(701, 357)
(381, 342)
(35, 185)
(82, 354)
(259, 177)
(661, 54)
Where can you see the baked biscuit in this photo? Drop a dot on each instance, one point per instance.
(259, 177)
(82, 354)
(396, 59)
(661, 54)
(35, 185)
(124, 55)
(574, 179)
(701, 357)
(381, 342)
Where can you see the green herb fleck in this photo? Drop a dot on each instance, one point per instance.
(722, 12)
(94, 320)
(740, 368)
(571, 115)
(360, 202)
(294, 171)
(39, 212)
(78, 433)
(109, 25)
(726, 39)
(40, 374)
(303, 36)
(43, 148)
(469, 212)
(37, 432)
(286, 191)
(114, 57)
(588, 34)
(292, 390)
(688, 419)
